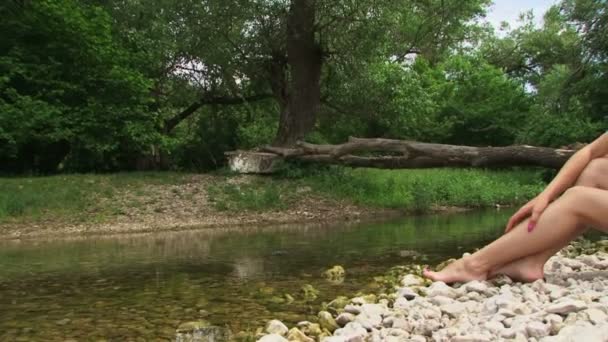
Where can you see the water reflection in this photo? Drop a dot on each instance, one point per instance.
(145, 285)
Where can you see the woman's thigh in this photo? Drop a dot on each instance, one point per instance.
(595, 174)
(589, 205)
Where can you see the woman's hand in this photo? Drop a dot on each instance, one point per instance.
(534, 209)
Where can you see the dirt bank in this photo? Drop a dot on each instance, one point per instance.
(188, 205)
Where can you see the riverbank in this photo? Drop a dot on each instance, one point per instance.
(571, 304)
(56, 206)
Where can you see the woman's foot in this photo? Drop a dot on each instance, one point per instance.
(461, 270)
(526, 270)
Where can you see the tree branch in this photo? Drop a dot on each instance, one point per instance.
(172, 122)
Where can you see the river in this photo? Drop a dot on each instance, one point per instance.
(142, 287)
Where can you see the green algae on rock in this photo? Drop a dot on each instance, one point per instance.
(335, 274)
(309, 293)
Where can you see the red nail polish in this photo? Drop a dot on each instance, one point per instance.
(531, 226)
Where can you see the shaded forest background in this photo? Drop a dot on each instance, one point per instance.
(114, 85)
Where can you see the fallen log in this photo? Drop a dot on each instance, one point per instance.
(413, 155)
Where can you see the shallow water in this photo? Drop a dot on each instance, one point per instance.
(142, 287)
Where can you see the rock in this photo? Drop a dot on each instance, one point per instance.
(273, 338)
(427, 327)
(501, 280)
(289, 298)
(494, 327)
(506, 313)
(594, 261)
(537, 329)
(407, 293)
(335, 274)
(454, 310)
(345, 318)
(596, 316)
(572, 263)
(476, 286)
(296, 335)
(253, 162)
(201, 331)
(309, 292)
(580, 332)
(398, 322)
(471, 338)
(520, 337)
(440, 300)
(326, 321)
(509, 333)
(352, 332)
(403, 334)
(334, 339)
(367, 299)
(439, 288)
(567, 306)
(192, 326)
(276, 327)
(371, 316)
(353, 309)
(522, 309)
(417, 338)
(401, 303)
(555, 323)
(412, 280)
(338, 303)
(310, 329)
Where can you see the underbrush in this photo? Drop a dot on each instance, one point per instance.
(424, 189)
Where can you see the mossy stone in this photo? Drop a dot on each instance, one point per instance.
(192, 326)
(327, 321)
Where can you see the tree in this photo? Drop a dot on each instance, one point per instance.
(290, 50)
(563, 65)
(68, 92)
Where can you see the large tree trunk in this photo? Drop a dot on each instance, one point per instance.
(305, 61)
(410, 154)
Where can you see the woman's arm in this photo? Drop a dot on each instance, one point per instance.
(566, 177)
(570, 172)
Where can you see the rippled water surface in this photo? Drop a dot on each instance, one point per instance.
(142, 287)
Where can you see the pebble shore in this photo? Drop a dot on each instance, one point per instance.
(570, 304)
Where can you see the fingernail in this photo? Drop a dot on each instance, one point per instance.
(531, 226)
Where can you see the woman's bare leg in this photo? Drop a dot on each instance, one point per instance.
(564, 218)
(531, 267)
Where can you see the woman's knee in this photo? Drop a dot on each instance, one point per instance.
(594, 175)
(586, 205)
(576, 199)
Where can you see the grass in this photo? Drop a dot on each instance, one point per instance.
(419, 190)
(70, 197)
(94, 198)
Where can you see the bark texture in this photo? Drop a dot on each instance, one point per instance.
(304, 57)
(404, 154)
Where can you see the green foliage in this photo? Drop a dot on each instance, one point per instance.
(389, 101)
(563, 63)
(421, 190)
(91, 85)
(201, 146)
(68, 93)
(485, 106)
